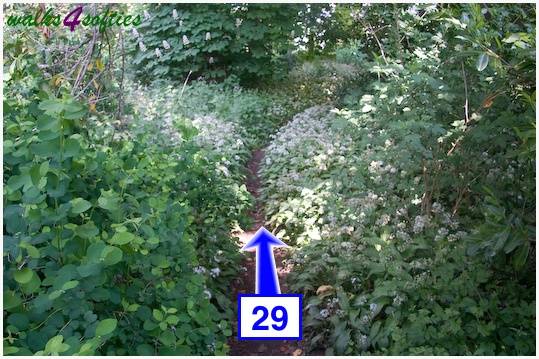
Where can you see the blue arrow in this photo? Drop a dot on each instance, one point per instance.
(267, 282)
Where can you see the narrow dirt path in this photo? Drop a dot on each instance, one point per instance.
(246, 283)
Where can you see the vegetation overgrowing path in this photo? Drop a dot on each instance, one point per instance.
(246, 282)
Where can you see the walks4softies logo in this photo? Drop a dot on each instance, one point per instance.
(79, 16)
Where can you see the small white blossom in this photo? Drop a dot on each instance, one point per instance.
(141, 46)
(185, 40)
(157, 52)
(363, 341)
(174, 14)
(442, 233)
(147, 15)
(199, 270)
(214, 272)
(208, 36)
(324, 313)
(437, 208)
(419, 224)
(361, 300)
(166, 45)
(383, 220)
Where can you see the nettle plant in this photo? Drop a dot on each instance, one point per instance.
(103, 244)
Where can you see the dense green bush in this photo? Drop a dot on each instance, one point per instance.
(112, 245)
(213, 40)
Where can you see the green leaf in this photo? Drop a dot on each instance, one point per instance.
(46, 149)
(105, 327)
(87, 230)
(70, 285)
(31, 250)
(11, 299)
(52, 107)
(111, 255)
(24, 275)
(55, 294)
(511, 38)
(521, 255)
(167, 338)
(341, 344)
(19, 320)
(55, 345)
(157, 315)
(71, 147)
(109, 200)
(145, 349)
(37, 174)
(32, 286)
(90, 269)
(482, 61)
(172, 319)
(79, 205)
(16, 182)
(122, 238)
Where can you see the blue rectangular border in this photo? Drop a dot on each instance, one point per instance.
(300, 296)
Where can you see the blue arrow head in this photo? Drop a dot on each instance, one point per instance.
(263, 237)
(267, 281)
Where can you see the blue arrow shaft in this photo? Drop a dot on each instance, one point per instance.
(267, 282)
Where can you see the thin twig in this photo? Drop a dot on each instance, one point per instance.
(466, 117)
(185, 83)
(368, 25)
(120, 99)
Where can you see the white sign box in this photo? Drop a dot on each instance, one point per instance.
(262, 317)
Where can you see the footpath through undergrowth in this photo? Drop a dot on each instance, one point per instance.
(246, 283)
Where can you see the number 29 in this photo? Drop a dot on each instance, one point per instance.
(281, 318)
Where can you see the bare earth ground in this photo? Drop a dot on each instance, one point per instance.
(246, 282)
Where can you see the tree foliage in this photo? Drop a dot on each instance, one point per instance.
(213, 40)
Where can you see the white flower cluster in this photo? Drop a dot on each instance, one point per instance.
(162, 108)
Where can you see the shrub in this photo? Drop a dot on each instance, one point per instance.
(213, 41)
(116, 245)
